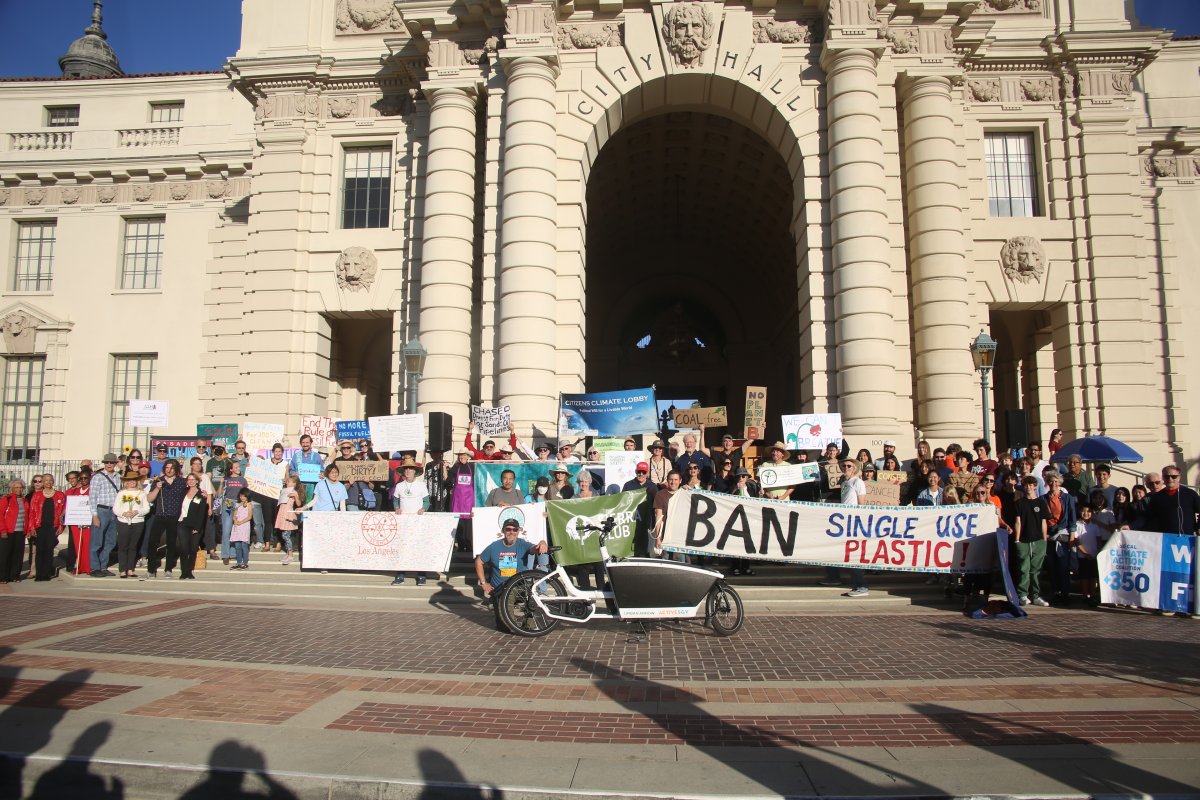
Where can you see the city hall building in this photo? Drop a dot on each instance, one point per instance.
(828, 198)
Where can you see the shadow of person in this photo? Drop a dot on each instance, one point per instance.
(73, 776)
(444, 781)
(27, 724)
(451, 599)
(229, 765)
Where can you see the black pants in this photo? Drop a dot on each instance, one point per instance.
(189, 542)
(47, 538)
(12, 555)
(162, 527)
(128, 537)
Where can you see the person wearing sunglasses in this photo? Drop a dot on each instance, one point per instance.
(641, 480)
(1175, 508)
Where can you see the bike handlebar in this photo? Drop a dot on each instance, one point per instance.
(604, 529)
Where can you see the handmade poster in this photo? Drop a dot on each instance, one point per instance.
(487, 476)
(891, 476)
(607, 413)
(350, 471)
(309, 473)
(321, 429)
(712, 417)
(353, 430)
(881, 493)
(1149, 570)
(378, 541)
(79, 510)
(180, 448)
(771, 476)
(486, 522)
(833, 474)
(756, 411)
(261, 436)
(219, 433)
(964, 482)
(812, 431)
(491, 421)
(567, 519)
(619, 469)
(913, 539)
(148, 413)
(607, 444)
(264, 477)
(397, 432)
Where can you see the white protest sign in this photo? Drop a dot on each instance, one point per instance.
(378, 541)
(264, 477)
(149, 413)
(397, 432)
(486, 522)
(491, 421)
(772, 475)
(1149, 570)
(79, 510)
(620, 468)
(812, 431)
(260, 436)
(323, 430)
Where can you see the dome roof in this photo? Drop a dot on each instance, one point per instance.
(91, 55)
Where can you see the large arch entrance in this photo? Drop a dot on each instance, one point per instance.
(692, 264)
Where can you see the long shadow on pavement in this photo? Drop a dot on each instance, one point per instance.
(33, 731)
(73, 778)
(229, 765)
(444, 781)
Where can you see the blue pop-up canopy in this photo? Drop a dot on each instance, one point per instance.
(1098, 448)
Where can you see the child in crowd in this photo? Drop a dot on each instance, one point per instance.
(1089, 541)
(239, 536)
(291, 498)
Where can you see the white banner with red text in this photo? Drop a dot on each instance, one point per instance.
(904, 538)
(378, 541)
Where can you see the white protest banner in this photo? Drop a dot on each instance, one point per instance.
(397, 432)
(619, 468)
(261, 436)
(712, 417)
(323, 430)
(1149, 570)
(756, 411)
(264, 477)
(491, 421)
(926, 539)
(79, 510)
(771, 476)
(486, 522)
(148, 413)
(378, 541)
(812, 431)
(881, 493)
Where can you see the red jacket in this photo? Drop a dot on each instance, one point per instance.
(10, 505)
(479, 455)
(33, 517)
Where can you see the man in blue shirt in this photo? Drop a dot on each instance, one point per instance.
(306, 464)
(503, 559)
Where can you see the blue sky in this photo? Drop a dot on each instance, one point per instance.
(184, 35)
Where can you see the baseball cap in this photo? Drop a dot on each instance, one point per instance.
(642, 466)
(510, 523)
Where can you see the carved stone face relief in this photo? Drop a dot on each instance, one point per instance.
(688, 30)
(106, 194)
(216, 189)
(142, 192)
(70, 195)
(34, 197)
(180, 191)
(356, 268)
(1023, 259)
(341, 107)
(19, 330)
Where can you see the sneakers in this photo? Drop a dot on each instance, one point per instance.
(1024, 601)
(420, 580)
(1039, 601)
(398, 580)
(861, 591)
(286, 560)
(258, 545)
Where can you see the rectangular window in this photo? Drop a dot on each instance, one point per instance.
(62, 116)
(132, 379)
(166, 112)
(1012, 175)
(21, 408)
(35, 256)
(142, 262)
(366, 187)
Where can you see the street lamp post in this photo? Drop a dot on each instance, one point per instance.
(414, 365)
(983, 353)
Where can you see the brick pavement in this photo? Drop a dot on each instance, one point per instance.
(64, 695)
(20, 611)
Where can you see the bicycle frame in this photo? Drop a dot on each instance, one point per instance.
(697, 584)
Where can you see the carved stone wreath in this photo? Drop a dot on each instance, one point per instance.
(70, 195)
(367, 16)
(790, 32)
(341, 107)
(984, 91)
(572, 37)
(34, 197)
(1023, 259)
(106, 194)
(1037, 89)
(356, 267)
(142, 192)
(1002, 6)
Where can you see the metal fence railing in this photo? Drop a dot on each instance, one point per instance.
(26, 470)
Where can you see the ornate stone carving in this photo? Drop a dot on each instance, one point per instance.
(572, 37)
(341, 107)
(1160, 167)
(312, 105)
(356, 268)
(34, 197)
(106, 194)
(1037, 89)
(1023, 259)
(529, 20)
(851, 12)
(904, 40)
(216, 189)
(472, 55)
(1195, 171)
(394, 105)
(688, 29)
(368, 16)
(1122, 83)
(70, 195)
(142, 192)
(4, 195)
(20, 331)
(181, 191)
(792, 32)
(263, 108)
(1001, 6)
(985, 91)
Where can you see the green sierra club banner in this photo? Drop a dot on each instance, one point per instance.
(584, 547)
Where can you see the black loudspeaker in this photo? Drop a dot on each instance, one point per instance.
(1017, 423)
(441, 431)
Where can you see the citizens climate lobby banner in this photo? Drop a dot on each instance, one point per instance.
(583, 546)
(1149, 570)
(378, 541)
(487, 476)
(906, 538)
(607, 413)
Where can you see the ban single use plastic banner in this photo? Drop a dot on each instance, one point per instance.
(583, 547)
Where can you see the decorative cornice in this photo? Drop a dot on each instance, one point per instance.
(125, 192)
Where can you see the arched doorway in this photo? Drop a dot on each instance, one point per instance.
(691, 264)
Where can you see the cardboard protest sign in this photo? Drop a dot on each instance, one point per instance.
(486, 522)
(350, 471)
(492, 421)
(891, 476)
(713, 417)
(261, 436)
(219, 433)
(607, 413)
(756, 411)
(582, 546)
(353, 430)
(264, 477)
(148, 413)
(378, 541)
(771, 476)
(964, 482)
(812, 431)
(321, 429)
(833, 474)
(881, 493)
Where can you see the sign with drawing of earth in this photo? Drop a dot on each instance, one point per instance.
(374, 541)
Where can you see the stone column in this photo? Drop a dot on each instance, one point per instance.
(946, 390)
(865, 355)
(528, 239)
(448, 251)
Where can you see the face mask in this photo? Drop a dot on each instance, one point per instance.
(542, 489)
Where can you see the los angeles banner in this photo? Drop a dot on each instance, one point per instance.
(567, 517)
(906, 538)
(378, 541)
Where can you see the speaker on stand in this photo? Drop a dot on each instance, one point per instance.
(1016, 423)
(441, 431)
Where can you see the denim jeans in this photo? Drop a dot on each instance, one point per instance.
(242, 552)
(1061, 578)
(104, 538)
(539, 561)
(226, 529)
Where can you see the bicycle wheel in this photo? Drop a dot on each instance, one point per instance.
(518, 610)
(724, 610)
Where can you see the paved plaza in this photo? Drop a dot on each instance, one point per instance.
(202, 697)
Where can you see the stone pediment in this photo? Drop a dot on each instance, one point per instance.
(20, 323)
